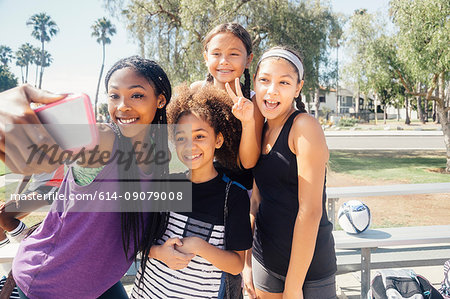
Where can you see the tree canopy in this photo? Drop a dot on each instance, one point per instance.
(7, 79)
(6, 54)
(416, 54)
(172, 31)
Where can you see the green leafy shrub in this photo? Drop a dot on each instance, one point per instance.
(347, 122)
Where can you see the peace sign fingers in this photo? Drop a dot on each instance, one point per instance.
(237, 85)
(234, 96)
(231, 93)
(242, 108)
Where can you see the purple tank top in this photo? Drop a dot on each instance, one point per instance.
(75, 254)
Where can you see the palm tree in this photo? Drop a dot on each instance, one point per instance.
(36, 60)
(102, 28)
(48, 59)
(43, 29)
(5, 54)
(21, 63)
(25, 53)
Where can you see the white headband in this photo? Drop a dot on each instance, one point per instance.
(289, 56)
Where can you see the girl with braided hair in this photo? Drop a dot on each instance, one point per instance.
(228, 54)
(204, 129)
(77, 254)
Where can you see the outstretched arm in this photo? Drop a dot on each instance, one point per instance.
(307, 141)
(15, 111)
(226, 260)
(30, 147)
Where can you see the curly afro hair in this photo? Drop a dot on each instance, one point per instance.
(213, 106)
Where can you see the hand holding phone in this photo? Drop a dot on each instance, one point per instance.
(70, 121)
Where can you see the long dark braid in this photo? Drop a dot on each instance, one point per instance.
(134, 229)
(237, 30)
(246, 89)
(299, 104)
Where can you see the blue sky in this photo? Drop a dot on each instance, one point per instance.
(77, 55)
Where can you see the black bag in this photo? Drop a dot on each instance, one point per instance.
(398, 284)
(233, 283)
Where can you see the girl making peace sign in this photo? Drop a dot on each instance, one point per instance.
(228, 54)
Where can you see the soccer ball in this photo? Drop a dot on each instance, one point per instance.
(354, 217)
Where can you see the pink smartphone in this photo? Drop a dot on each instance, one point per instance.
(70, 121)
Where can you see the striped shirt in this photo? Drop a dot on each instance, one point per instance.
(200, 279)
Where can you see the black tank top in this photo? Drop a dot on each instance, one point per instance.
(276, 177)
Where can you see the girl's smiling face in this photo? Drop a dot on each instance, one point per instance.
(226, 58)
(132, 101)
(196, 142)
(276, 86)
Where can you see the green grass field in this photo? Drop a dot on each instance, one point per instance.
(409, 167)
